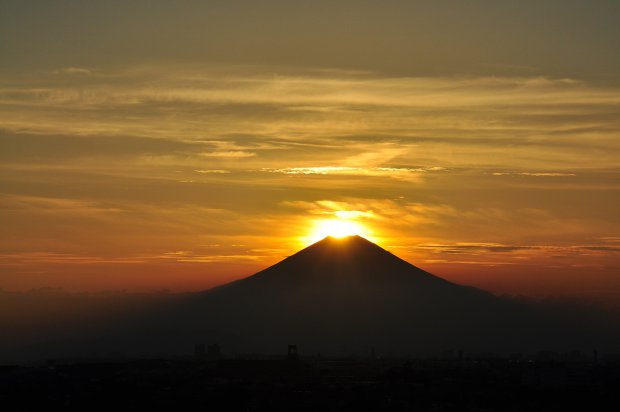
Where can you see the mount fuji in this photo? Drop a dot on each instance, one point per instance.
(340, 297)
(346, 295)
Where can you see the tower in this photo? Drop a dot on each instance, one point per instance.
(292, 352)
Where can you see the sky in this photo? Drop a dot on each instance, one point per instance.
(149, 145)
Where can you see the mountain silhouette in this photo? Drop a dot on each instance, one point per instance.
(345, 295)
(339, 296)
(351, 262)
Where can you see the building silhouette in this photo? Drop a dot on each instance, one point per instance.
(292, 352)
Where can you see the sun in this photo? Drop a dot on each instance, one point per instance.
(337, 228)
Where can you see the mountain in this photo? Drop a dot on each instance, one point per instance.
(335, 297)
(345, 295)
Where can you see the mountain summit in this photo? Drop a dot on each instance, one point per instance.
(349, 262)
(349, 292)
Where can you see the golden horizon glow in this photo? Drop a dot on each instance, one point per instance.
(336, 227)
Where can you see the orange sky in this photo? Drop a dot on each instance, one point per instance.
(151, 147)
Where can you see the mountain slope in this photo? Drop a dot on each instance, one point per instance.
(344, 261)
(350, 293)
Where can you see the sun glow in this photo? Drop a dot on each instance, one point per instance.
(337, 228)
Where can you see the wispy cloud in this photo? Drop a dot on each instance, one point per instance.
(472, 248)
(38, 204)
(519, 252)
(404, 173)
(195, 257)
(38, 258)
(534, 174)
(237, 154)
(73, 70)
(510, 110)
(214, 171)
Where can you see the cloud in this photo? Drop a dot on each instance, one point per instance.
(237, 154)
(73, 70)
(194, 257)
(503, 110)
(601, 248)
(385, 214)
(610, 239)
(319, 170)
(380, 155)
(404, 173)
(299, 91)
(214, 171)
(56, 258)
(534, 174)
(45, 258)
(471, 262)
(352, 214)
(376, 125)
(48, 205)
(472, 248)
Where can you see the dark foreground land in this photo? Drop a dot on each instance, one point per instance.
(314, 384)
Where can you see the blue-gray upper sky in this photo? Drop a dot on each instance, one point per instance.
(560, 38)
